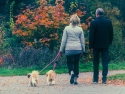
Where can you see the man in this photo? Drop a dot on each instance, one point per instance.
(100, 37)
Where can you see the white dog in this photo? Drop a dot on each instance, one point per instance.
(33, 78)
(51, 75)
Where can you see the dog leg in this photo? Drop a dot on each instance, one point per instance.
(34, 84)
(31, 84)
(48, 81)
(37, 83)
(53, 81)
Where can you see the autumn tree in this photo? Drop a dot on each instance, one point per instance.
(44, 24)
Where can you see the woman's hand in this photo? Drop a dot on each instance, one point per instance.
(61, 53)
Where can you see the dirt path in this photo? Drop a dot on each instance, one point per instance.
(19, 85)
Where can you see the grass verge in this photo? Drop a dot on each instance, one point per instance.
(88, 67)
(117, 77)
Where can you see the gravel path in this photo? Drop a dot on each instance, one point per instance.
(19, 85)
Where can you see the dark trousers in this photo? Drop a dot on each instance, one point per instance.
(105, 59)
(73, 64)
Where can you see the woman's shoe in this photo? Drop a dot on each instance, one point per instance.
(75, 80)
(75, 83)
(72, 79)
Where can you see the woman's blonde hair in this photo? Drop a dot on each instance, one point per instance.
(74, 20)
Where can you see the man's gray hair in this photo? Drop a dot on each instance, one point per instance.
(100, 11)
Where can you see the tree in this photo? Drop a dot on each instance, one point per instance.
(43, 24)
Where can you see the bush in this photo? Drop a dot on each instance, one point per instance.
(28, 56)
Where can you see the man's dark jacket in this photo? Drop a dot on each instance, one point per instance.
(101, 33)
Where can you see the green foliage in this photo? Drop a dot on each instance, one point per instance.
(117, 77)
(11, 15)
(2, 33)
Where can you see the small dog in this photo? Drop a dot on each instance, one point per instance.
(33, 78)
(51, 75)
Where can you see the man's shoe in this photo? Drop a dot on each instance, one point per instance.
(72, 79)
(103, 82)
(104, 79)
(94, 82)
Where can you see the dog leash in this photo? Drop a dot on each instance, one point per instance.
(57, 56)
(54, 65)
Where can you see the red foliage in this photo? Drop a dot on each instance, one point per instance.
(43, 23)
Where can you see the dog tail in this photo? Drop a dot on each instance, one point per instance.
(28, 75)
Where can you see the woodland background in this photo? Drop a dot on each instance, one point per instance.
(31, 30)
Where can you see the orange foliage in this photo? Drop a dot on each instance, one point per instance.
(84, 26)
(28, 43)
(1, 61)
(43, 21)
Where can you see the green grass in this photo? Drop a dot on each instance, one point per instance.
(83, 68)
(117, 66)
(117, 77)
(25, 71)
(15, 71)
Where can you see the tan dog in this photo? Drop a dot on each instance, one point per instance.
(33, 78)
(51, 75)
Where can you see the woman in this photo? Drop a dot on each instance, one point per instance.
(73, 44)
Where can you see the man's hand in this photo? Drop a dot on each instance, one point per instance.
(91, 49)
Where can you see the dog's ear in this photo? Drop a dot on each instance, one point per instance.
(46, 74)
(28, 75)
